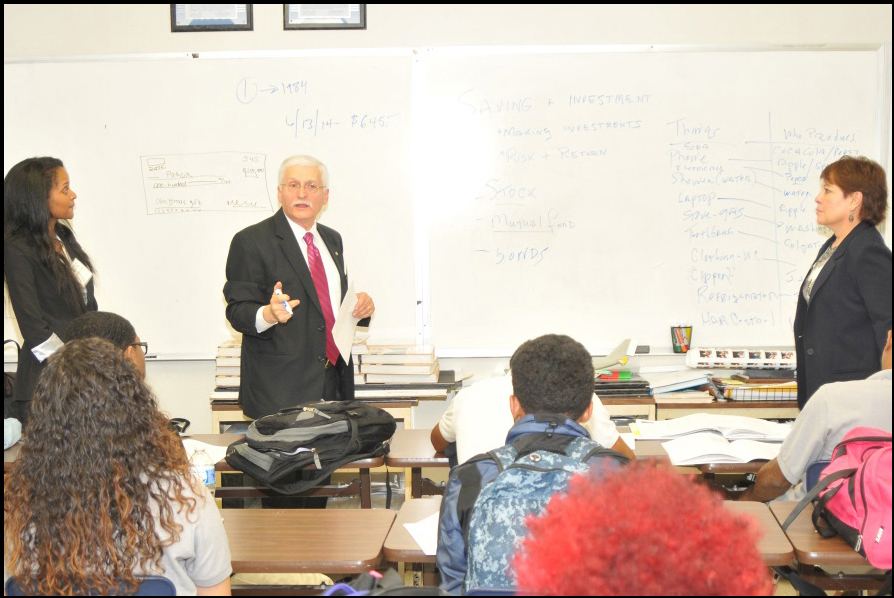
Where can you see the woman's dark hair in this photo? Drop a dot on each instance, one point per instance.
(858, 173)
(102, 324)
(99, 461)
(26, 216)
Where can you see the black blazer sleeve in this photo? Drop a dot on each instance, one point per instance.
(871, 275)
(245, 289)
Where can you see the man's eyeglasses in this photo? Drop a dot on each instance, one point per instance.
(294, 186)
(144, 346)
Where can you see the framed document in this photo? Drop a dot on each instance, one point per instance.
(324, 16)
(211, 17)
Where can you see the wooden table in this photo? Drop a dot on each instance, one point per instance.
(306, 540)
(758, 409)
(812, 550)
(400, 547)
(412, 450)
(774, 547)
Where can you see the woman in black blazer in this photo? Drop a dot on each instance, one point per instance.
(48, 276)
(844, 306)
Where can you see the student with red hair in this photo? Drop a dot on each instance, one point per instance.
(645, 530)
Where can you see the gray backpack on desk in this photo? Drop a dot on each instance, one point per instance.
(532, 469)
(324, 436)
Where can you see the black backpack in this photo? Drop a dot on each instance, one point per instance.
(324, 435)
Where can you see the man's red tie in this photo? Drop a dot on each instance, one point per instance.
(318, 273)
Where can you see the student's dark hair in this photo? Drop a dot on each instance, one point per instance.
(26, 216)
(553, 374)
(101, 324)
(858, 173)
(97, 488)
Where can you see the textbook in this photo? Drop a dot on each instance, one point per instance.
(706, 447)
(417, 368)
(685, 396)
(671, 381)
(224, 395)
(401, 378)
(732, 427)
(231, 348)
(228, 361)
(397, 358)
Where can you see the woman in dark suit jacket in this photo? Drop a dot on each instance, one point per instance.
(48, 275)
(844, 306)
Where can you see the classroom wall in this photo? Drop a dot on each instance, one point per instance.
(71, 30)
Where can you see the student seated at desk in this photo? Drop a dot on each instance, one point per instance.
(113, 328)
(478, 419)
(643, 531)
(833, 411)
(102, 491)
(485, 503)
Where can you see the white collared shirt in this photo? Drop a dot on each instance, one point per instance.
(332, 275)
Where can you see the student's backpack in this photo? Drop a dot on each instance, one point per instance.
(853, 495)
(532, 469)
(324, 435)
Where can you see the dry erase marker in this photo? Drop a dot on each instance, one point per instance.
(285, 304)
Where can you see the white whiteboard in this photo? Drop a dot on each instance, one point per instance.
(612, 195)
(485, 195)
(171, 157)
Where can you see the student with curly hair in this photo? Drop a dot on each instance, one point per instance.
(646, 531)
(102, 491)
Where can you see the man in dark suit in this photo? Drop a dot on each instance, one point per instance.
(288, 354)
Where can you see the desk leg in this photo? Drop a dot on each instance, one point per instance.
(365, 489)
(416, 490)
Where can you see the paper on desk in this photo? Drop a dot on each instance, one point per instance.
(345, 323)
(629, 439)
(425, 532)
(217, 453)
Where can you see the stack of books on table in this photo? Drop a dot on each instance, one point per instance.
(227, 371)
(621, 384)
(398, 364)
(686, 386)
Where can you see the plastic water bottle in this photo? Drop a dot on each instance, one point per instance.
(203, 468)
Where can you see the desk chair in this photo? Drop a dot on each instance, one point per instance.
(150, 585)
(813, 473)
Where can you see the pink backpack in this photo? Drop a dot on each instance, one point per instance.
(855, 495)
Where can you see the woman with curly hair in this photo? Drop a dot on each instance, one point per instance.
(102, 491)
(642, 531)
(48, 275)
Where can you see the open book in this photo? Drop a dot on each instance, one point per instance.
(732, 427)
(707, 447)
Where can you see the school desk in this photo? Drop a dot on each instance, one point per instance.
(758, 409)
(400, 547)
(831, 554)
(306, 540)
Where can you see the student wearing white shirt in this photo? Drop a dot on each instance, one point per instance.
(478, 419)
(833, 411)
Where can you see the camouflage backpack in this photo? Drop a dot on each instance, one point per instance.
(532, 469)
